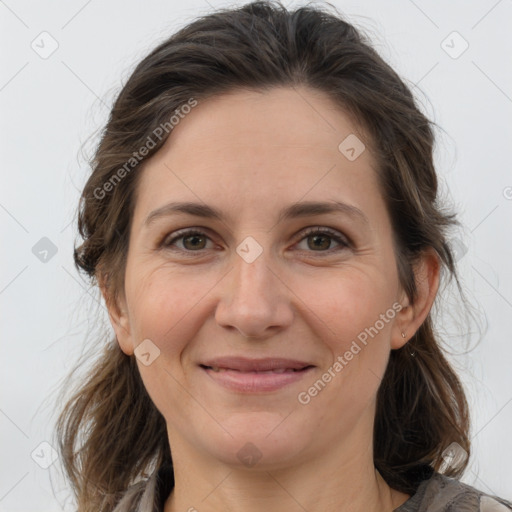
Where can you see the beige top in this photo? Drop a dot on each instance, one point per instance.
(436, 494)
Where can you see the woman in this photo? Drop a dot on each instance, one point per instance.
(262, 220)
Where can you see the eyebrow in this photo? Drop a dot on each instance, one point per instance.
(296, 210)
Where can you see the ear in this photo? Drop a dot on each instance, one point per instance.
(411, 316)
(118, 314)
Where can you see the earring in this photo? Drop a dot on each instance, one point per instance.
(412, 353)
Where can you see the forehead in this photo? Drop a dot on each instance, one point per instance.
(250, 146)
(284, 117)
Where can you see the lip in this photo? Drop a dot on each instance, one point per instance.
(245, 364)
(255, 375)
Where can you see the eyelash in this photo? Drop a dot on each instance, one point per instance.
(334, 235)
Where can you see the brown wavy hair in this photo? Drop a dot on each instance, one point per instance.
(110, 434)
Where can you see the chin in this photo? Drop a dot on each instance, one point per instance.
(259, 440)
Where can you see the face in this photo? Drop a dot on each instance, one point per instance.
(268, 318)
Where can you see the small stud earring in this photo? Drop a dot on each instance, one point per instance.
(403, 335)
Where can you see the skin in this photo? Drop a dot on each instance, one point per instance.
(249, 154)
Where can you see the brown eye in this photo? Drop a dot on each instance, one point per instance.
(319, 242)
(322, 239)
(191, 241)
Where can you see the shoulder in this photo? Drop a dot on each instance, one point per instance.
(444, 494)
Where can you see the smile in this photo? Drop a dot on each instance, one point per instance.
(255, 376)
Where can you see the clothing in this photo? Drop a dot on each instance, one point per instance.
(437, 493)
(442, 494)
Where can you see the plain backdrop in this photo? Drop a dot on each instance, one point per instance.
(62, 64)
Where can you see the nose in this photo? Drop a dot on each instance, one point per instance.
(254, 300)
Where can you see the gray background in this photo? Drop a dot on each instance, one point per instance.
(50, 108)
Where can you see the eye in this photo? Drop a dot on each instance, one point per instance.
(317, 240)
(320, 240)
(191, 240)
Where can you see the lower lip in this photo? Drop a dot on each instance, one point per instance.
(252, 382)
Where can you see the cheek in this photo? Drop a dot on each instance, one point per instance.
(165, 308)
(162, 307)
(353, 316)
(348, 303)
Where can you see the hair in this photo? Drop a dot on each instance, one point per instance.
(110, 433)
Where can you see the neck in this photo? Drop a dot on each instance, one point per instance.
(329, 482)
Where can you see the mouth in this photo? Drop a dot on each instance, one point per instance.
(255, 375)
(217, 369)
